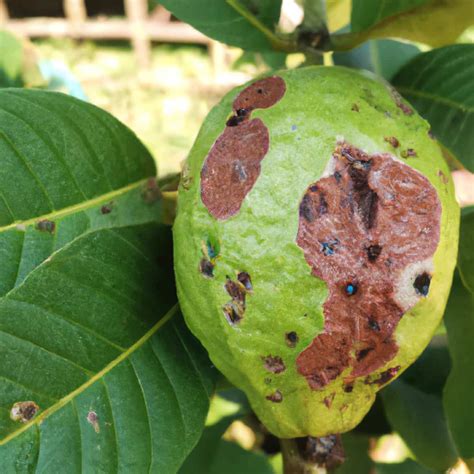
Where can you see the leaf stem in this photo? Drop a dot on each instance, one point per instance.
(277, 42)
(293, 461)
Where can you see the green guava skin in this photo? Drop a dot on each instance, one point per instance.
(304, 127)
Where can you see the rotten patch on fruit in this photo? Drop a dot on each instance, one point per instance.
(24, 411)
(274, 364)
(233, 164)
(375, 210)
(275, 397)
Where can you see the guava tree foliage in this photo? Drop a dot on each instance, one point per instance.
(98, 371)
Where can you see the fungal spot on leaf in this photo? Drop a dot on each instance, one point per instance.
(24, 411)
(275, 397)
(373, 252)
(422, 284)
(274, 364)
(291, 339)
(206, 268)
(385, 376)
(93, 420)
(233, 163)
(46, 226)
(393, 141)
(409, 152)
(151, 191)
(106, 208)
(382, 201)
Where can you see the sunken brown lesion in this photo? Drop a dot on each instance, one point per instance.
(359, 229)
(233, 164)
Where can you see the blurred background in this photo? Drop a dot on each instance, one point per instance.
(160, 77)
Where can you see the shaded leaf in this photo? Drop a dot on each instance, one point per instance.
(434, 22)
(406, 467)
(366, 13)
(440, 84)
(459, 320)
(383, 57)
(218, 20)
(430, 371)
(86, 282)
(357, 460)
(419, 419)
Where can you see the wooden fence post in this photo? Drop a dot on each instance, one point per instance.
(75, 11)
(137, 14)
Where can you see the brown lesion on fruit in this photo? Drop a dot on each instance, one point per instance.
(380, 225)
(327, 401)
(409, 153)
(210, 252)
(399, 102)
(237, 289)
(24, 411)
(206, 267)
(233, 164)
(393, 141)
(384, 377)
(273, 364)
(275, 397)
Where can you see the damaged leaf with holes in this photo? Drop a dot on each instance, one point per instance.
(335, 225)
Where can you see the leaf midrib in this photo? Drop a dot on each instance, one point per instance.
(435, 98)
(82, 206)
(71, 396)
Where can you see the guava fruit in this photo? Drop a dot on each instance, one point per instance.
(315, 242)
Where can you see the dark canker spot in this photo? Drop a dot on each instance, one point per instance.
(350, 289)
(348, 388)
(355, 108)
(363, 353)
(393, 141)
(244, 279)
(275, 397)
(373, 325)
(409, 152)
(234, 121)
(422, 284)
(373, 252)
(233, 312)
(206, 268)
(291, 339)
(385, 376)
(274, 364)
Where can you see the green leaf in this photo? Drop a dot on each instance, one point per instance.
(459, 320)
(357, 460)
(383, 57)
(466, 248)
(220, 21)
(434, 22)
(419, 419)
(406, 467)
(87, 295)
(440, 84)
(366, 13)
